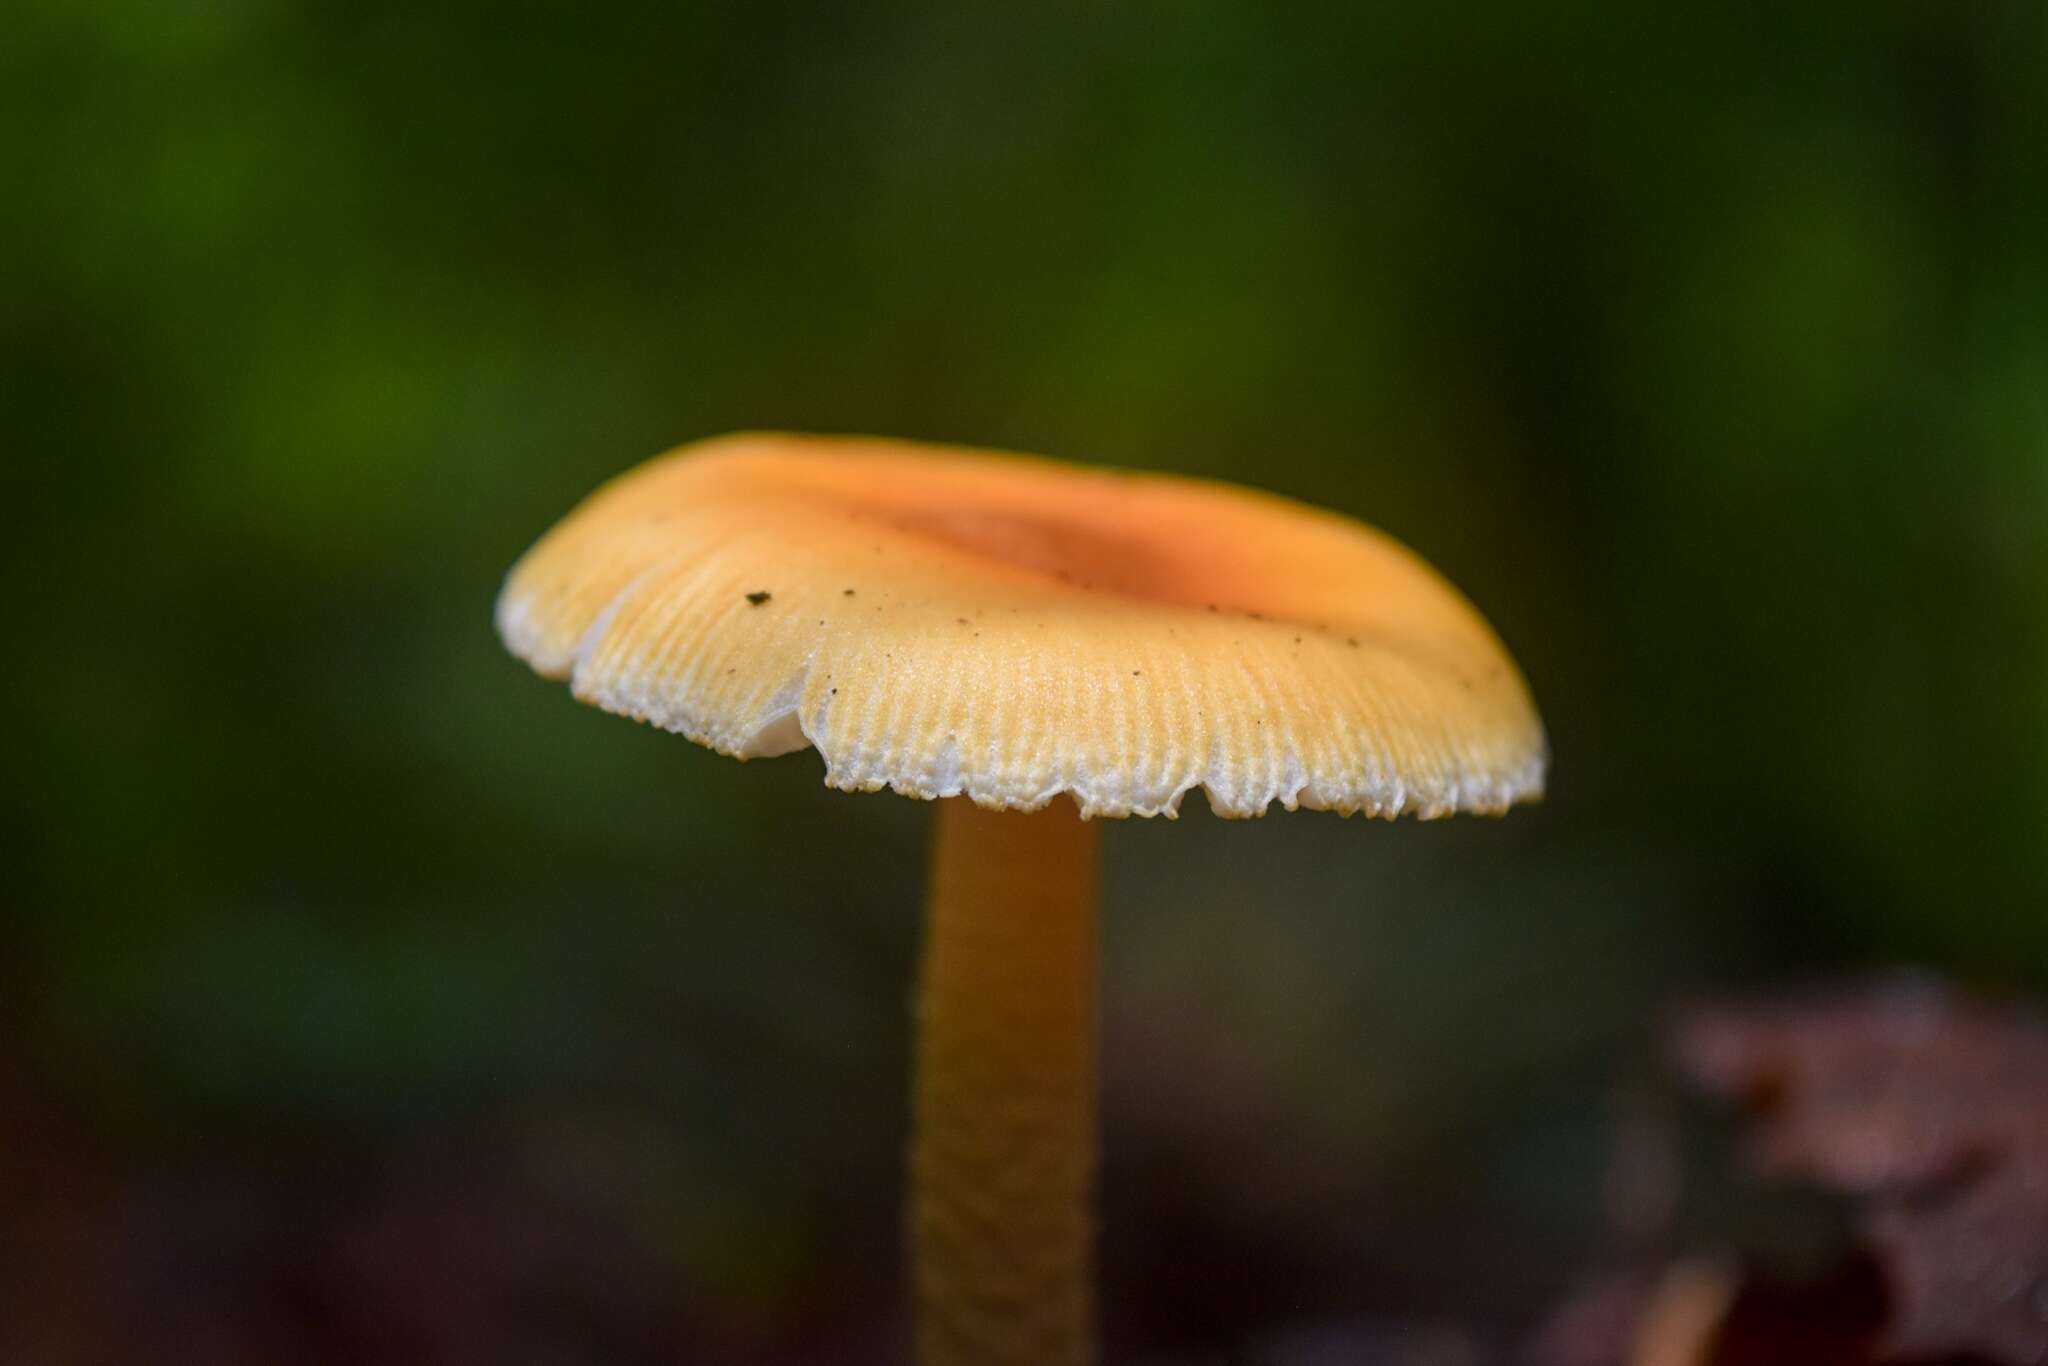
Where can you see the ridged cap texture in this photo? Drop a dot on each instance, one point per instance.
(948, 622)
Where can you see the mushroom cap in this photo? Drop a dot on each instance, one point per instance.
(945, 622)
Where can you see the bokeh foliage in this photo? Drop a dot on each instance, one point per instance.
(1705, 347)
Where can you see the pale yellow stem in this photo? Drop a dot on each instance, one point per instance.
(1003, 1126)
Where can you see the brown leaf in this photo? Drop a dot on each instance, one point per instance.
(1932, 1111)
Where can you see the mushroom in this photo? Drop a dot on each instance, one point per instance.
(1032, 644)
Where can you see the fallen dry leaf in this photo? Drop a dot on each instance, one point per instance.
(1931, 1110)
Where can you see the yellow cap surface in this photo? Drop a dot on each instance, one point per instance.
(946, 622)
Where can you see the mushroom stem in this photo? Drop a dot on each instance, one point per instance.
(1003, 1126)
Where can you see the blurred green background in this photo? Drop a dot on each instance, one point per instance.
(364, 999)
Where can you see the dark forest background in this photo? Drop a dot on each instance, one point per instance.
(364, 999)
